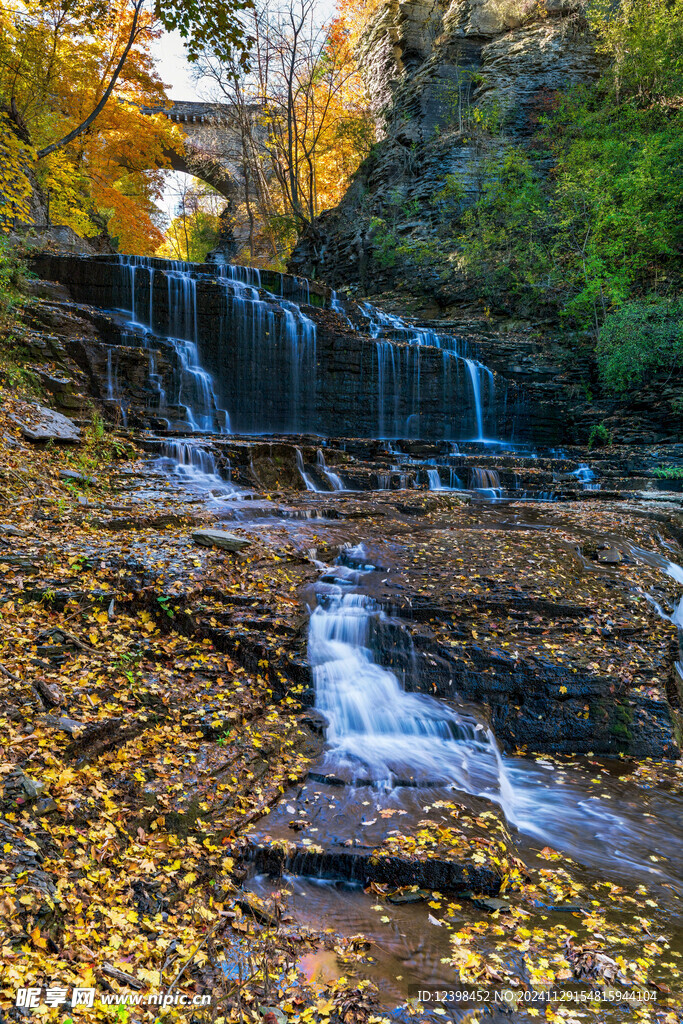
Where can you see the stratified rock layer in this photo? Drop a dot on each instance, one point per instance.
(439, 73)
(338, 380)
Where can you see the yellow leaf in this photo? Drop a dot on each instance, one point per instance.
(37, 938)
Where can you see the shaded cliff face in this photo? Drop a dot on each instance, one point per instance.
(453, 85)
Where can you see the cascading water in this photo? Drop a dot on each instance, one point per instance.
(196, 468)
(586, 477)
(270, 333)
(380, 735)
(244, 341)
(306, 477)
(377, 732)
(113, 391)
(473, 371)
(335, 481)
(196, 390)
(487, 481)
(391, 371)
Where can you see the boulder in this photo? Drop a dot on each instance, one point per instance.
(77, 478)
(68, 725)
(7, 530)
(38, 423)
(610, 556)
(219, 539)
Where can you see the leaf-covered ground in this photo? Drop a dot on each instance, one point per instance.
(155, 714)
(133, 755)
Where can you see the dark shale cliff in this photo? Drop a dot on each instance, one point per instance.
(455, 86)
(452, 85)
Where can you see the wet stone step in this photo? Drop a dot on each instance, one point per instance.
(366, 866)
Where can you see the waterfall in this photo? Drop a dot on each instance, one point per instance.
(244, 340)
(335, 481)
(156, 379)
(307, 479)
(113, 391)
(434, 480)
(377, 731)
(110, 376)
(399, 330)
(270, 334)
(586, 477)
(196, 467)
(487, 481)
(476, 392)
(196, 390)
(378, 734)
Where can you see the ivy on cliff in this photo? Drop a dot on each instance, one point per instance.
(599, 238)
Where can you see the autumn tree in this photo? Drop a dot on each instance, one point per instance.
(195, 227)
(301, 112)
(73, 77)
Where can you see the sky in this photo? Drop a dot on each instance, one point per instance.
(176, 73)
(174, 67)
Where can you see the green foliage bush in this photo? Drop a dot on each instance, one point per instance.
(639, 339)
(597, 240)
(506, 234)
(10, 272)
(599, 436)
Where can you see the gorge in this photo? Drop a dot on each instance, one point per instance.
(491, 652)
(341, 559)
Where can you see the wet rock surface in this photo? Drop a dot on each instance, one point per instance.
(158, 680)
(469, 590)
(219, 539)
(39, 423)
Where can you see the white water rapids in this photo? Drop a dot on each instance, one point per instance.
(378, 734)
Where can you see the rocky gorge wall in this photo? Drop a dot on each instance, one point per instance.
(453, 83)
(456, 84)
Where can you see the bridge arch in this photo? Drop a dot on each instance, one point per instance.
(213, 146)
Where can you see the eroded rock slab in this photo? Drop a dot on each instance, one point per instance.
(219, 539)
(38, 423)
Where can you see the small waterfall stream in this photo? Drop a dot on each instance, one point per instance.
(335, 481)
(434, 480)
(394, 366)
(382, 736)
(306, 477)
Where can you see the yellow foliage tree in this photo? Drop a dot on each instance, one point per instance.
(16, 161)
(56, 63)
(302, 113)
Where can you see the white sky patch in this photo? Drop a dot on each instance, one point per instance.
(174, 67)
(176, 72)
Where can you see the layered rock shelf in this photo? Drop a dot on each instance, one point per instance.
(270, 369)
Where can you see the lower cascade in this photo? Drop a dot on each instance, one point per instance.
(377, 732)
(381, 736)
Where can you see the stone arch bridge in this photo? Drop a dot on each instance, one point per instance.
(213, 149)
